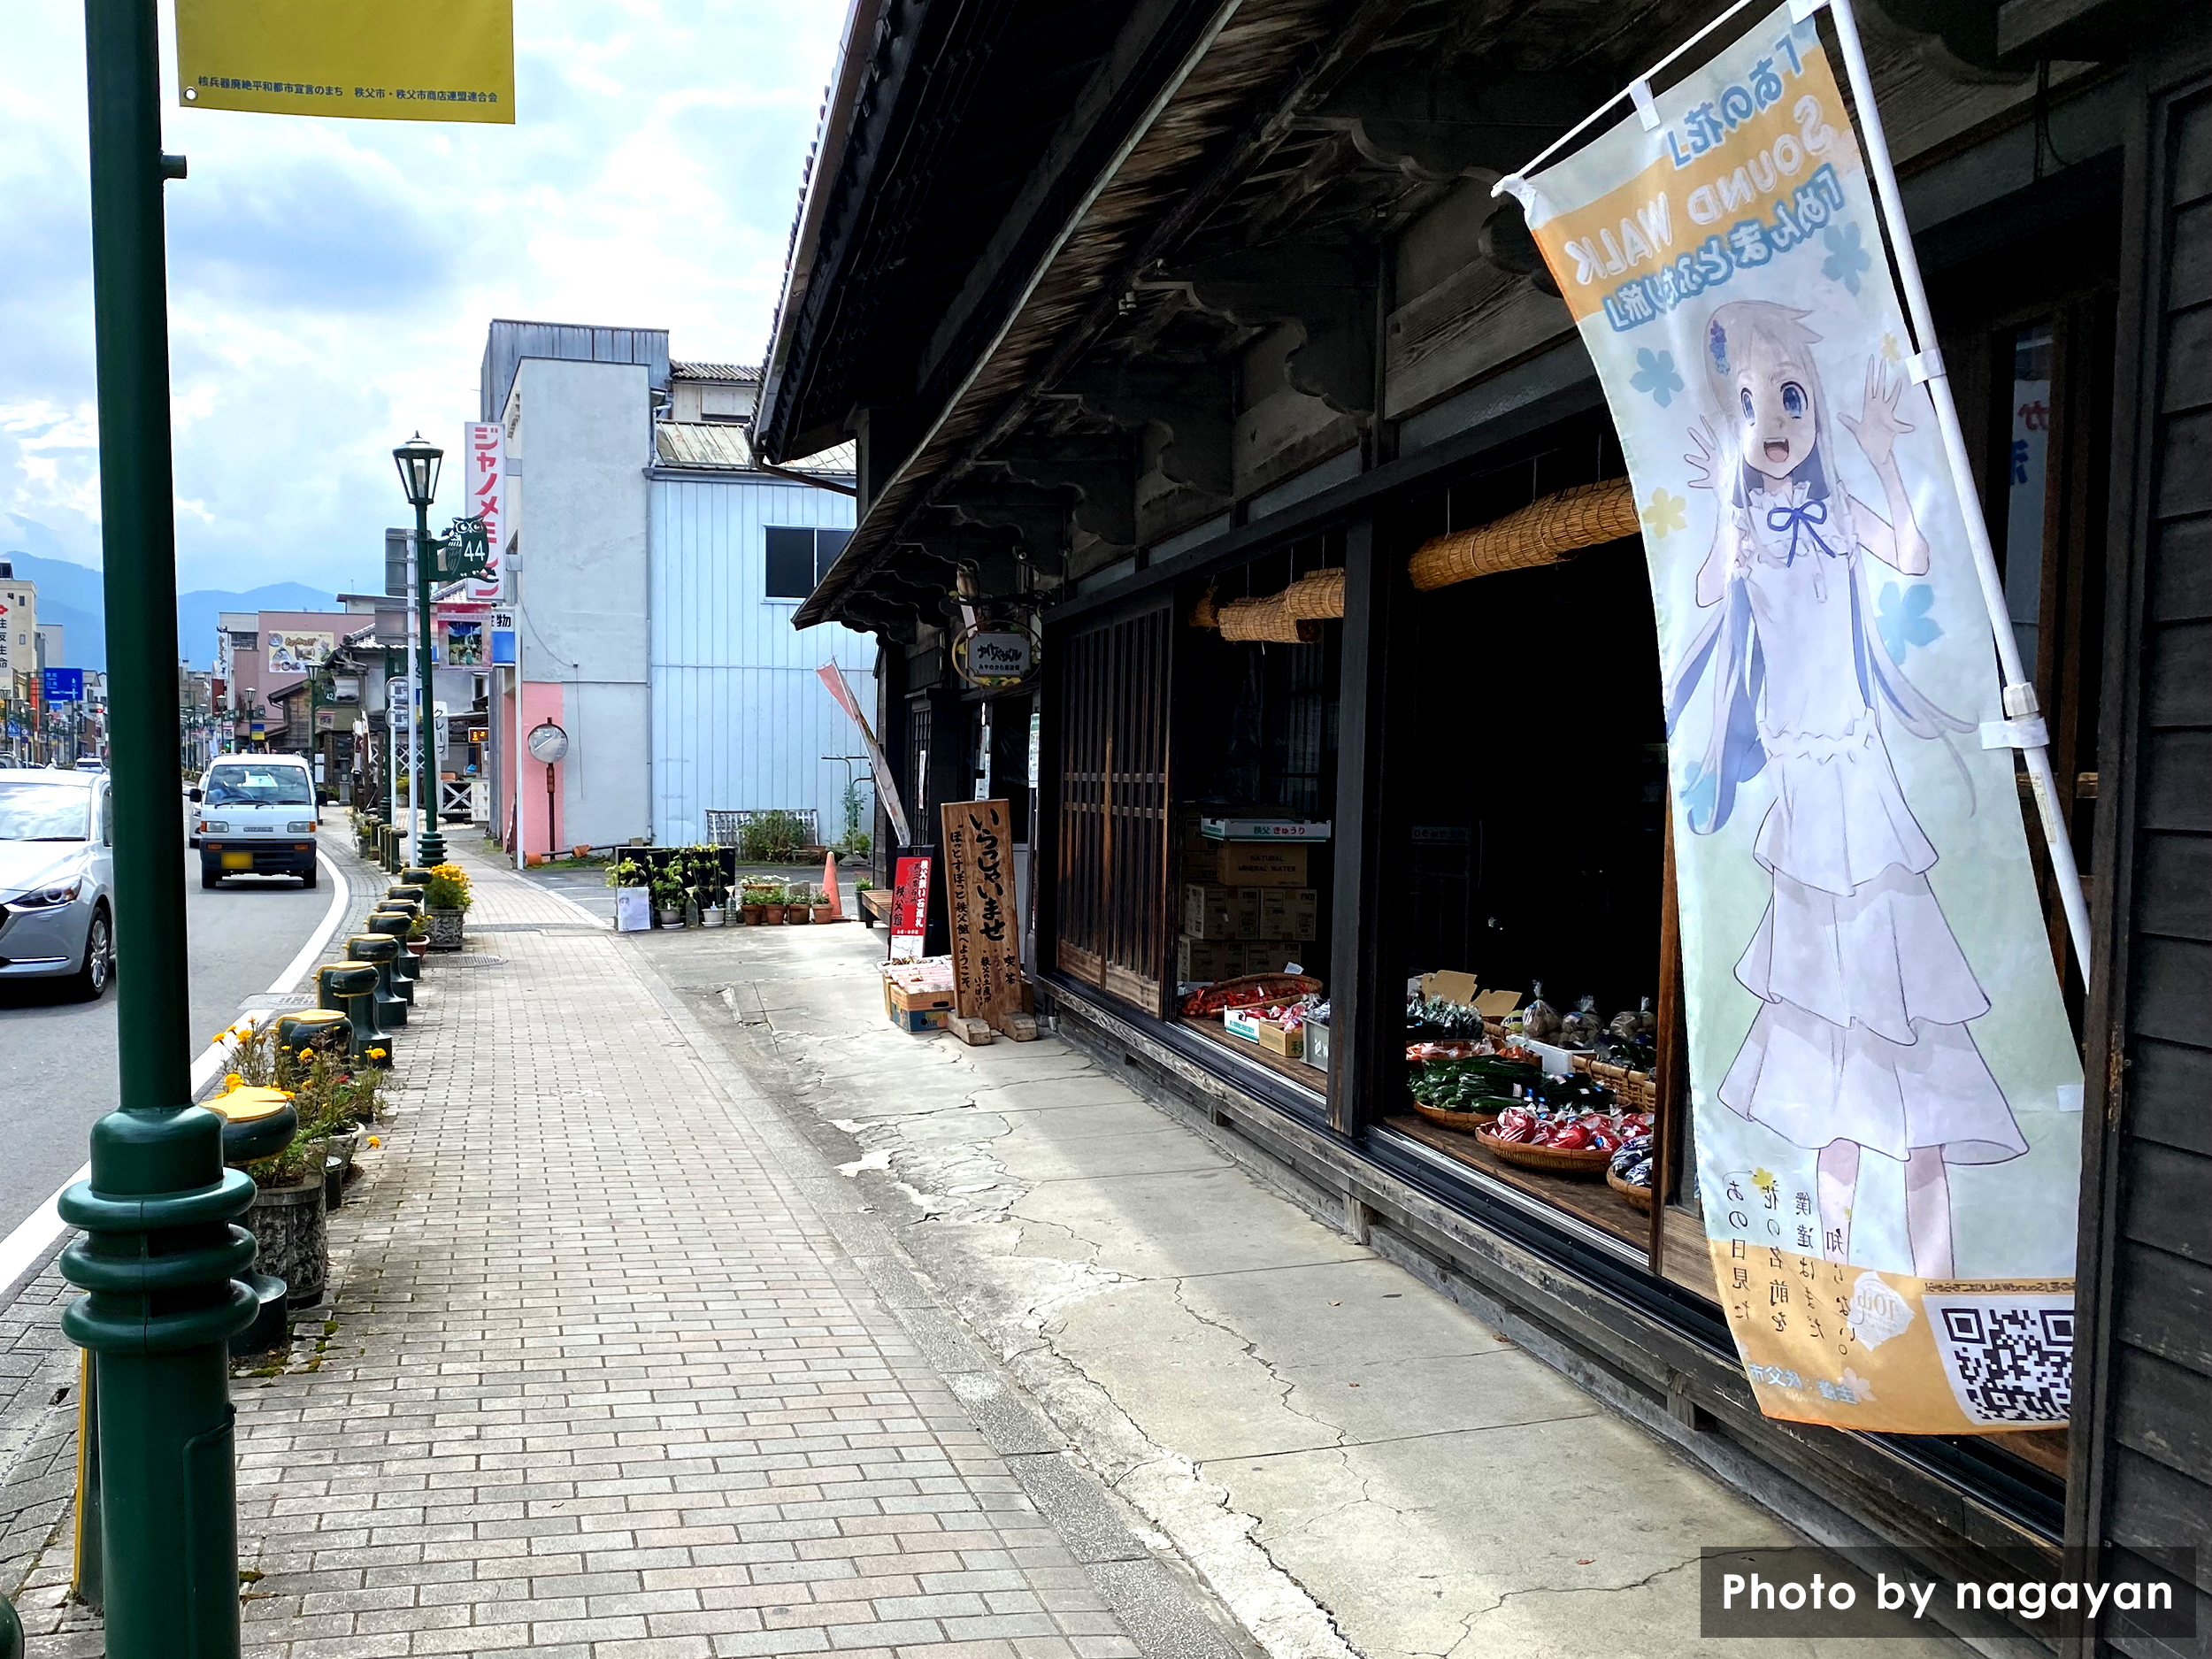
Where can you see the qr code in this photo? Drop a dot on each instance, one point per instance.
(2010, 1359)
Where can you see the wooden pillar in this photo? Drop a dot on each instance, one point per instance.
(1366, 972)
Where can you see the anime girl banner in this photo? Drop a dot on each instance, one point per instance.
(1882, 1073)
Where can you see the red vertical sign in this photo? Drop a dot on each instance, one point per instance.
(910, 909)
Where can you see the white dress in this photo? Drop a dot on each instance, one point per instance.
(1865, 994)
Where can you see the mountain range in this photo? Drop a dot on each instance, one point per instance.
(71, 595)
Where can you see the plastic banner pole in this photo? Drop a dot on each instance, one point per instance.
(2024, 728)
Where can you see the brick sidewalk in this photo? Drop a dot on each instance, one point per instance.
(601, 1380)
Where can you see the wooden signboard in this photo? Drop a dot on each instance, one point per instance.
(986, 935)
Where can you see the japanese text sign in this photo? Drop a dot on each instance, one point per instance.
(909, 907)
(985, 922)
(386, 60)
(484, 446)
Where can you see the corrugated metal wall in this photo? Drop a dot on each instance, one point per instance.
(739, 718)
(507, 342)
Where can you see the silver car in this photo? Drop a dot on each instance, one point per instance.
(57, 878)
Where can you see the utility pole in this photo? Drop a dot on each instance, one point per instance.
(160, 1255)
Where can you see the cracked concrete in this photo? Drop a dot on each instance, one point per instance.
(1353, 1464)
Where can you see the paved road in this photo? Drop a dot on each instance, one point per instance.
(57, 1057)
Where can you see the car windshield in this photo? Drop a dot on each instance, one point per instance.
(44, 812)
(258, 785)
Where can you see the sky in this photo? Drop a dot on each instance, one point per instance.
(330, 280)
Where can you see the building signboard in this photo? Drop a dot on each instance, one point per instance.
(384, 60)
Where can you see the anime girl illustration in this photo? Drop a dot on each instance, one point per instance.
(1860, 1041)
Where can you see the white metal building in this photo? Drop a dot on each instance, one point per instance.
(655, 569)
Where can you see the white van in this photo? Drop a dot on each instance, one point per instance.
(255, 816)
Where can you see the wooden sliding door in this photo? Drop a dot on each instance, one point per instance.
(1110, 865)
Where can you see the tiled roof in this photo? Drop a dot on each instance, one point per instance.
(744, 373)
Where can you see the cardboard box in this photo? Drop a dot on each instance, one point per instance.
(1289, 1044)
(1246, 864)
(1239, 1022)
(917, 1010)
(1202, 961)
(1213, 911)
(1275, 955)
(1287, 913)
(1264, 829)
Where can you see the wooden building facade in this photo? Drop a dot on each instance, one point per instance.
(1139, 308)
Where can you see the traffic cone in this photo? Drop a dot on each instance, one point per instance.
(829, 885)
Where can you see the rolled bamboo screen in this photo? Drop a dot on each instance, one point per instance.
(1202, 615)
(1541, 533)
(1265, 619)
(1316, 597)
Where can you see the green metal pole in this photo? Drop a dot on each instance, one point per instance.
(160, 1255)
(430, 849)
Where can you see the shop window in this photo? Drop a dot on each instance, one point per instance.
(1256, 740)
(798, 558)
(1536, 868)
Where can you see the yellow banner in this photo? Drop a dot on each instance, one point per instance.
(384, 60)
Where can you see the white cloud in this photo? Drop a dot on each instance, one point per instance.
(330, 282)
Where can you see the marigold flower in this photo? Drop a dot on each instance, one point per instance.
(374, 1142)
(232, 1081)
(377, 1053)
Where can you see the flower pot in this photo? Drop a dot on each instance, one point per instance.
(419, 947)
(445, 929)
(754, 914)
(714, 916)
(821, 912)
(671, 918)
(287, 1224)
(796, 914)
(772, 915)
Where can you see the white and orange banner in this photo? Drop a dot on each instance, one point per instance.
(1884, 1081)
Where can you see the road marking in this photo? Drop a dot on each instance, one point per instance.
(37, 1232)
(595, 919)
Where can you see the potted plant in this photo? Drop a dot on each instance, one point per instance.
(772, 901)
(821, 904)
(752, 902)
(446, 896)
(668, 896)
(800, 906)
(419, 934)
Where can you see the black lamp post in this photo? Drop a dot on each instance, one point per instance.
(417, 459)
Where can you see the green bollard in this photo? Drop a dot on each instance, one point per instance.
(415, 876)
(378, 950)
(349, 988)
(325, 1028)
(10, 1634)
(406, 969)
(404, 890)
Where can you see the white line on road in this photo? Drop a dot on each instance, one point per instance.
(37, 1232)
(595, 919)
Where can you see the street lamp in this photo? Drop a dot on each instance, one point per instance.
(418, 461)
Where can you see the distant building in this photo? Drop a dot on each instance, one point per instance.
(656, 564)
(19, 698)
(260, 654)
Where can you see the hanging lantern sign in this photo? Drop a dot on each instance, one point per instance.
(997, 653)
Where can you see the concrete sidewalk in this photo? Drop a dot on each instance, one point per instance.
(600, 1381)
(1354, 1463)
